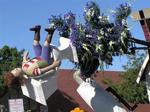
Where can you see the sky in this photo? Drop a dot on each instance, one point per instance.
(17, 16)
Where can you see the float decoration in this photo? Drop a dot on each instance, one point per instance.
(98, 39)
(77, 109)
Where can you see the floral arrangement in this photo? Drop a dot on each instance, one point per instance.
(63, 24)
(98, 39)
(77, 109)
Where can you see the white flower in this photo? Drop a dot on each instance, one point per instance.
(88, 13)
(106, 34)
(111, 43)
(100, 47)
(109, 29)
(85, 10)
(52, 23)
(112, 11)
(108, 17)
(128, 28)
(88, 35)
(123, 34)
(101, 32)
(100, 37)
(124, 22)
(92, 11)
(100, 17)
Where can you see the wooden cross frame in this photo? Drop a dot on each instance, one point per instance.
(143, 16)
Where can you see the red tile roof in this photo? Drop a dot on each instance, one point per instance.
(66, 97)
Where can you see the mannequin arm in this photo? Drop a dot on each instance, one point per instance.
(55, 64)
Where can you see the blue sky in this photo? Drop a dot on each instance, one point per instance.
(17, 16)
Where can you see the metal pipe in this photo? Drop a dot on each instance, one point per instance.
(142, 42)
(140, 48)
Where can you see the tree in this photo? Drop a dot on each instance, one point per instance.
(9, 58)
(128, 88)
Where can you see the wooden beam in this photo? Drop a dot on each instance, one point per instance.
(131, 108)
(136, 16)
(147, 12)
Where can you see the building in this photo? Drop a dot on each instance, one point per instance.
(66, 97)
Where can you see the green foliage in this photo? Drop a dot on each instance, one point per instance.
(128, 88)
(9, 58)
(1, 82)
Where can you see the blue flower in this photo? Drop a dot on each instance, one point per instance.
(98, 38)
(69, 18)
(91, 13)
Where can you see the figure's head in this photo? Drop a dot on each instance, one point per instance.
(14, 77)
(17, 72)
